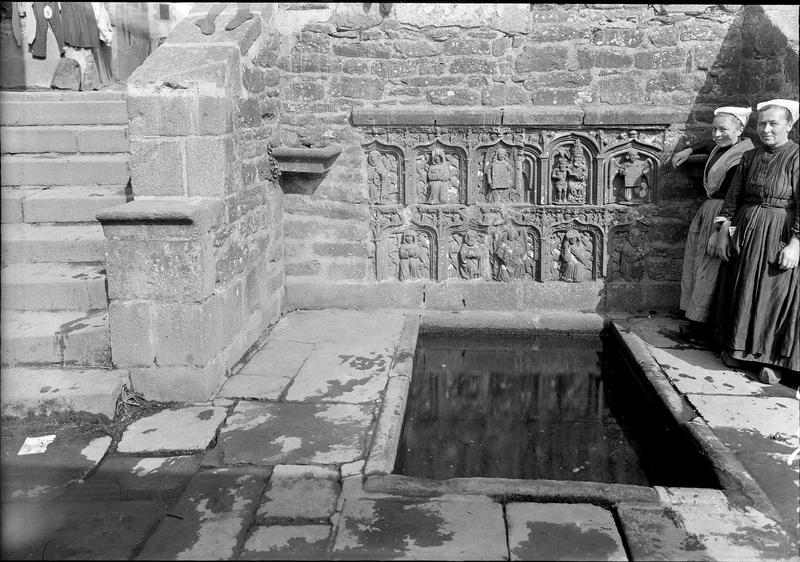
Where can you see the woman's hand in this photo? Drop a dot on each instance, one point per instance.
(789, 256)
(722, 249)
(680, 157)
(712, 244)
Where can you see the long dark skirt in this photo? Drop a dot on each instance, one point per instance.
(79, 25)
(759, 303)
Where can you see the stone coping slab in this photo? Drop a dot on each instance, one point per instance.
(557, 531)
(288, 542)
(204, 213)
(541, 116)
(385, 528)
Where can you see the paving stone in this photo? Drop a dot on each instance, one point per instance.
(384, 528)
(330, 375)
(109, 530)
(137, 478)
(350, 331)
(699, 371)
(694, 496)
(278, 359)
(211, 516)
(289, 542)
(352, 468)
(182, 429)
(298, 493)
(751, 423)
(780, 480)
(254, 387)
(290, 433)
(658, 330)
(553, 531)
(696, 532)
(42, 476)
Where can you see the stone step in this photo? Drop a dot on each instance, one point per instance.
(27, 243)
(50, 390)
(53, 286)
(68, 111)
(64, 138)
(108, 94)
(70, 203)
(68, 337)
(75, 169)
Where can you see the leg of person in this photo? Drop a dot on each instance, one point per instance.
(206, 24)
(242, 15)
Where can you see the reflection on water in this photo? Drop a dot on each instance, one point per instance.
(539, 406)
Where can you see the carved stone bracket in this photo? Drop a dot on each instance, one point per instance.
(303, 169)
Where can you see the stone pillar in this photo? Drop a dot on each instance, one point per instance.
(195, 262)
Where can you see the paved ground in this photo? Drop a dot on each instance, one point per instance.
(274, 467)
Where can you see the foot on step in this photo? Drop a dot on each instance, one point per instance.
(206, 24)
(242, 15)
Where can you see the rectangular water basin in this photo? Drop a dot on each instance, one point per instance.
(528, 405)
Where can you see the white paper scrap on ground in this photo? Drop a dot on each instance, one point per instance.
(36, 445)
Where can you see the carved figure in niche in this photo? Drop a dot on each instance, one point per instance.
(576, 258)
(499, 176)
(561, 175)
(438, 177)
(628, 261)
(510, 255)
(382, 177)
(577, 176)
(411, 257)
(471, 257)
(634, 173)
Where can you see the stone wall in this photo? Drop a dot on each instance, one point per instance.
(543, 83)
(195, 262)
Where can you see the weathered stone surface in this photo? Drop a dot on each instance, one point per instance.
(330, 375)
(541, 59)
(286, 433)
(137, 478)
(454, 96)
(383, 452)
(552, 531)
(348, 331)
(298, 493)
(211, 166)
(157, 167)
(357, 87)
(31, 390)
(82, 530)
(183, 429)
(692, 532)
(504, 17)
(254, 387)
(465, 528)
(736, 418)
(279, 542)
(696, 371)
(45, 474)
(211, 516)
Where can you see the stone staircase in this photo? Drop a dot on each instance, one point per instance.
(65, 156)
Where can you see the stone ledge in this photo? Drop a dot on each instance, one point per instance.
(636, 115)
(543, 116)
(203, 213)
(392, 117)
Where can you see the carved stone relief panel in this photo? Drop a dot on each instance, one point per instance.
(575, 253)
(385, 173)
(440, 174)
(499, 174)
(411, 254)
(572, 167)
(468, 255)
(440, 221)
(631, 173)
(515, 254)
(628, 247)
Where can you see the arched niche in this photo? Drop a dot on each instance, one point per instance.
(630, 174)
(385, 173)
(411, 255)
(440, 174)
(532, 175)
(499, 173)
(575, 253)
(571, 171)
(628, 247)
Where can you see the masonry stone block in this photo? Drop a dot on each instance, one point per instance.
(363, 50)
(175, 270)
(465, 65)
(662, 58)
(347, 270)
(619, 89)
(564, 79)
(550, 33)
(618, 37)
(394, 69)
(555, 97)
(210, 166)
(253, 80)
(453, 96)
(157, 167)
(357, 87)
(592, 57)
(178, 383)
(541, 59)
(417, 49)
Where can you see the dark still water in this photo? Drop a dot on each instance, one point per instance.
(537, 406)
